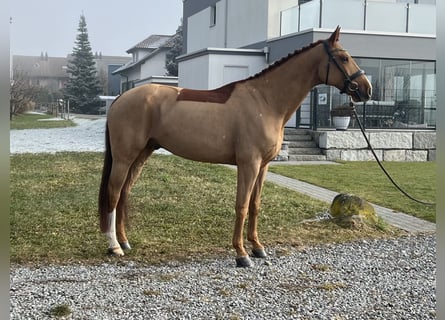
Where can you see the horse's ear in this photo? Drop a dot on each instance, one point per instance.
(334, 36)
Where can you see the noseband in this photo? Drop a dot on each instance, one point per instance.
(349, 85)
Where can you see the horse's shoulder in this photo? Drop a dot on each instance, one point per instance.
(219, 95)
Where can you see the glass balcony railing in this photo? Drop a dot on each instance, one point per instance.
(360, 15)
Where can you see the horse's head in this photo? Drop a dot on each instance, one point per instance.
(340, 70)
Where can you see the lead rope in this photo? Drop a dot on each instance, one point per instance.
(351, 104)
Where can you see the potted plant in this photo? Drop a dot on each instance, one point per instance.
(341, 116)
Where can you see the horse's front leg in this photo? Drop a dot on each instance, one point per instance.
(247, 175)
(254, 208)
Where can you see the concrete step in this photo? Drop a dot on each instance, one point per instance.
(307, 157)
(302, 144)
(296, 134)
(293, 151)
(296, 137)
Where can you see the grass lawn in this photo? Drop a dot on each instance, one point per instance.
(179, 209)
(367, 180)
(37, 121)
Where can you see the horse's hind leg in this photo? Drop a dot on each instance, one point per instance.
(118, 176)
(254, 208)
(122, 210)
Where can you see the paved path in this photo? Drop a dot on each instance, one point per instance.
(397, 219)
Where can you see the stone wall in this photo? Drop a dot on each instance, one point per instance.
(350, 145)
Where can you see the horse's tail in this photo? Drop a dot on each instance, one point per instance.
(104, 209)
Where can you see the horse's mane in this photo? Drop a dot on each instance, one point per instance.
(222, 94)
(283, 60)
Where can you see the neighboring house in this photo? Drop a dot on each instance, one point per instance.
(147, 64)
(51, 72)
(43, 71)
(106, 65)
(392, 40)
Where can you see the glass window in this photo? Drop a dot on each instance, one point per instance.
(213, 15)
(404, 94)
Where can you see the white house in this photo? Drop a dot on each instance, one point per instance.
(394, 41)
(147, 64)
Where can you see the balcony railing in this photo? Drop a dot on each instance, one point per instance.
(360, 15)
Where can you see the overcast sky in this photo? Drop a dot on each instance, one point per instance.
(114, 26)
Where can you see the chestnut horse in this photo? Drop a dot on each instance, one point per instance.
(241, 123)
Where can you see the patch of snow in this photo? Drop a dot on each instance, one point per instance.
(51, 119)
(87, 135)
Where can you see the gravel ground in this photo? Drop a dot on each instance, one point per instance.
(375, 279)
(378, 279)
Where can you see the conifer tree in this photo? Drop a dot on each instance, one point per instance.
(83, 88)
(170, 59)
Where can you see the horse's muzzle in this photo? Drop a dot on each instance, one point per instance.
(358, 94)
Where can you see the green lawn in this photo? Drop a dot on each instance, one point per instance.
(179, 209)
(37, 121)
(367, 180)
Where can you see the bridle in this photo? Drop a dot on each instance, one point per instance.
(349, 85)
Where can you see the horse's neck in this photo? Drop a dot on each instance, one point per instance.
(285, 86)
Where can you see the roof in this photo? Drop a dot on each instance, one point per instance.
(164, 42)
(152, 42)
(39, 66)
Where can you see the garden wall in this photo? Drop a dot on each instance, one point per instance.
(350, 145)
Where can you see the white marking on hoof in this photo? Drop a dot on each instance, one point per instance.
(113, 245)
(116, 252)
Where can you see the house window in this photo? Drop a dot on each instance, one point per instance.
(213, 15)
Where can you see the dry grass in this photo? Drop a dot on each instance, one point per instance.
(179, 210)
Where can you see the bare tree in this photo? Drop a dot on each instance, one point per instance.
(23, 94)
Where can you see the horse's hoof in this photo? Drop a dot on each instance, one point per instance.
(243, 262)
(125, 245)
(259, 253)
(117, 252)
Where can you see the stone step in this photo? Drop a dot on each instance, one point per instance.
(297, 137)
(302, 144)
(295, 151)
(307, 157)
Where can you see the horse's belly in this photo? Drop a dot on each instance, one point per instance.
(203, 150)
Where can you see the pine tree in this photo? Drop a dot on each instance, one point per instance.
(83, 88)
(170, 59)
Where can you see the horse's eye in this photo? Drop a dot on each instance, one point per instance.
(344, 59)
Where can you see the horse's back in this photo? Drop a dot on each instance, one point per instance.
(142, 97)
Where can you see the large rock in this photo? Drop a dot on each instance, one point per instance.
(352, 211)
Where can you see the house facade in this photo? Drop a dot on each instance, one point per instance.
(392, 40)
(51, 72)
(147, 64)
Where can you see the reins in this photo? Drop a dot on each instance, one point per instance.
(353, 88)
(362, 129)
